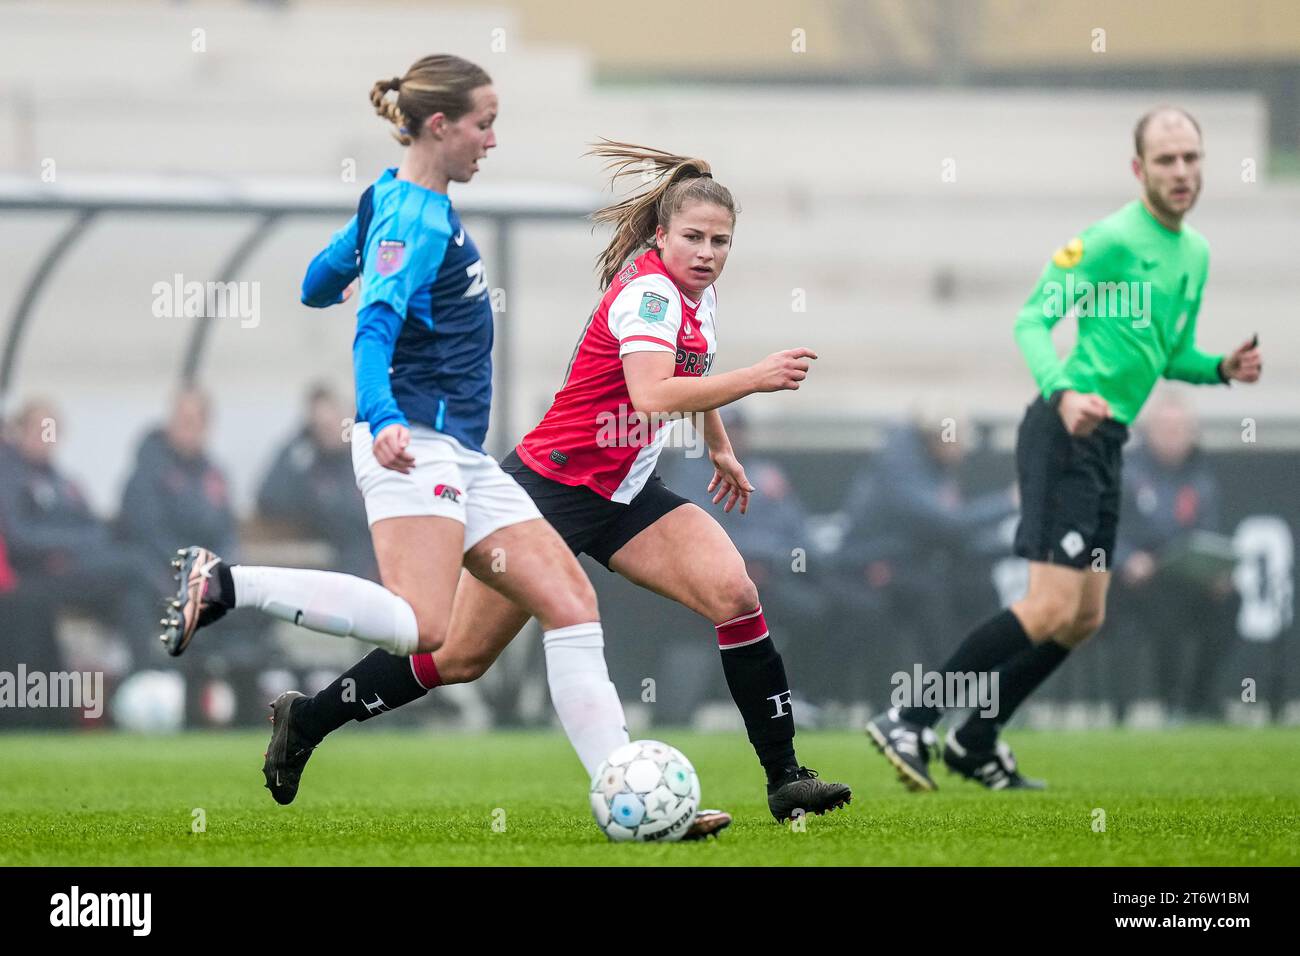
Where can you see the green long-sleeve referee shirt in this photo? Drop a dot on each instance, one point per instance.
(1135, 287)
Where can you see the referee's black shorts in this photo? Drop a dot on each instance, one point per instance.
(1069, 489)
(589, 523)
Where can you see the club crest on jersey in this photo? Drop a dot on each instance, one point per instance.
(391, 254)
(1069, 255)
(446, 491)
(653, 306)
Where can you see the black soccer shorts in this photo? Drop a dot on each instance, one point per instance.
(589, 523)
(1069, 490)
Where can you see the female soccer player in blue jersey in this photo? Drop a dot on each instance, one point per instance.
(435, 500)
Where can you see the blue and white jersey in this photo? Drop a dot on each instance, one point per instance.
(423, 348)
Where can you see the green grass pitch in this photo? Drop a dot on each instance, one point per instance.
(1214, 796)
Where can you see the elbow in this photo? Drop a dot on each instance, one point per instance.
(314, 300)
(643, 402)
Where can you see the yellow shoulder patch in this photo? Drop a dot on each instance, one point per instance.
(1068, 256)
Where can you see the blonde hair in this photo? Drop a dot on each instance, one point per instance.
(676, 181)
(434, 84)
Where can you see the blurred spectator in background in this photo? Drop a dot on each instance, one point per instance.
(312, 489)
(916, 551)
(62, 555)
(1183, 608)
(176, 496)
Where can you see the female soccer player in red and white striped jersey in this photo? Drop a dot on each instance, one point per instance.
(589, 466)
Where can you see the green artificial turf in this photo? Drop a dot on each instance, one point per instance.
(1214, 796)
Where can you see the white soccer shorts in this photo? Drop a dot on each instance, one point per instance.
(448, 480)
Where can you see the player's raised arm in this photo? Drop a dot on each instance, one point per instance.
(653, 388)
(333, 271)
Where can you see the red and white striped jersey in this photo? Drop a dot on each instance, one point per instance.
(591, 435)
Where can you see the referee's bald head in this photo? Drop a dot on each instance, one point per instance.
(1163, 112)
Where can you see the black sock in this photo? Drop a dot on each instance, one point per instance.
(756, 677)
(378, 682)
(996, 640)
(225, 586)
(1017, 679)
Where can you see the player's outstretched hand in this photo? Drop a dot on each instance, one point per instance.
(783, 370)
(390, 449)
(1245, 364)
(730, 482)
(1082, 412)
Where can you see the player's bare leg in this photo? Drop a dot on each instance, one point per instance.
(1051, 601)
(420, 559)
(714, 584)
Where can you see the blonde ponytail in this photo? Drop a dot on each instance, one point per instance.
(676, 180)
(388, 109)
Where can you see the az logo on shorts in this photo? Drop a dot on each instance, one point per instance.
(446, 491)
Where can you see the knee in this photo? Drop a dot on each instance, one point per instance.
(1047, 615)
(463, 670)
(1085, 624)
(733, 596)
(573, 604)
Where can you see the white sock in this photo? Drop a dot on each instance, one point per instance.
(584, 697)
(330, 602)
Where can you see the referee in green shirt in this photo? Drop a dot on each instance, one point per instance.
(1134, 281)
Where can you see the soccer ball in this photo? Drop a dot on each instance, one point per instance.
(645, 791)
(150, 702)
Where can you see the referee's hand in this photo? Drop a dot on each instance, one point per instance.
(390, 449)
(1082, 412)
(1245, 364)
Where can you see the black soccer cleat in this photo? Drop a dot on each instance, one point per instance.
(994, 769)
(907, 746)
(286, 755)
(708, 823)
(800, 789)
(199, 598)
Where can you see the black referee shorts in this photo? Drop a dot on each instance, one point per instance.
(1069, 489)
(589, 523)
